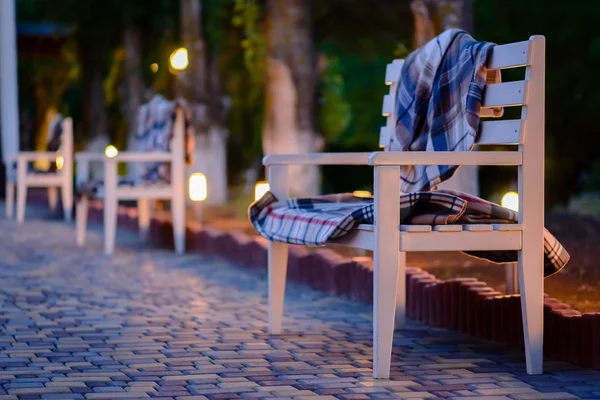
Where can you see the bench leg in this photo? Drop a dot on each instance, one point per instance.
(278, 259)
(67, 200)
(386, 260)
(10, 200)
(531, 284)
(111, 205)
(21, 200)
(143, 209)
(81, 222)
(52, 198)
(400, 319)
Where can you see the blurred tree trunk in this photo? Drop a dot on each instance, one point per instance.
(132, 39)
(431, 18)
(200, 86)
(95, 119)
(291, 78)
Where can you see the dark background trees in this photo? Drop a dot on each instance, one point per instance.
(104, 71)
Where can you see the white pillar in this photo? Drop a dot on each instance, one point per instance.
(9, 102)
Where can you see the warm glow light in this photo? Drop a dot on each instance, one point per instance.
(260, 189)
(179, 59)
(511, 200)
(197, 187)
(111, 151)
(361, 193)
(60, 161)
(154, 67)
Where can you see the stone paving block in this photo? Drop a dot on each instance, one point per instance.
(545, 396)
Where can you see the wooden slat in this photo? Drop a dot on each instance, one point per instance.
(448, 228)
(385, 134)
(500, 132)
(509, 55)
(438, 241)
(392, 73)
(478, 227)
(508, 227)
(415, 228)
(446, 158)
(388, 105)
(505, 94)
(455, 227)
(318, 159)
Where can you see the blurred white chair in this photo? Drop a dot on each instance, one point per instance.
(22, 174)
(163, 149)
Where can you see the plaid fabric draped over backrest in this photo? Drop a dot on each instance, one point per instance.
(54, 140)
(155, 123)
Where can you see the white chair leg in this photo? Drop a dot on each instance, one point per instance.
(400, 319)
(178, 215)
(82, 214)
(52, 198)
(110, 206)
(278, 259)
(143, 207)
(21, 200)
(531, 284)
(10, 200)
(67, 201)
(110, 224)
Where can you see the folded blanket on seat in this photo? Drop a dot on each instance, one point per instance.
(317, 221)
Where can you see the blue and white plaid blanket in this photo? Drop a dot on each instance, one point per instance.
(317, 221)
(438, 102)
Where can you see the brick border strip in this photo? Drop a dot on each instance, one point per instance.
(462, 304)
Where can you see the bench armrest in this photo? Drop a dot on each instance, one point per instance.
(131, 156)
(86, 156)
(317, 159)
(37, 155)
(446, 158)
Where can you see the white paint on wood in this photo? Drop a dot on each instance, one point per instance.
(385, 266)
(389, 240)
(505, 94)
(278, 254)
(531, 209)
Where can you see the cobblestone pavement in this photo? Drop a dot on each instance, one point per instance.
(78, 325)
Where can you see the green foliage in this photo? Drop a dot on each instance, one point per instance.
(247, 16)
(572, 98)
(334, 112)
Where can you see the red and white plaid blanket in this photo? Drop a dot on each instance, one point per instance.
(316, 221)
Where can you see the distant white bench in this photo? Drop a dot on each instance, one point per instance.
(390, 241)
(59, 154)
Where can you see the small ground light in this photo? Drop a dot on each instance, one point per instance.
(154, 67)
(362, 193)
(260, 189)
(198, 189)
(510, 200)
(111, 151)
(60, 161)
(179, 59)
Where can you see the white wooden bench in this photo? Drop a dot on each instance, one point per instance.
(116, 189)
(23, 176)
(390, 241)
